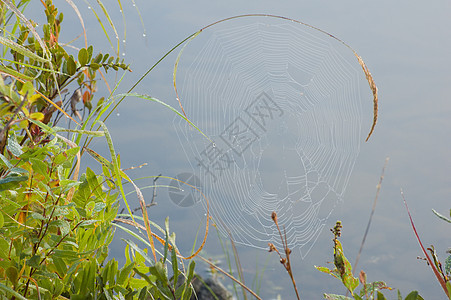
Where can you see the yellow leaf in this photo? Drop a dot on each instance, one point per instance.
(33, 98)
(25, 111)
(37, 116)
(23, 124)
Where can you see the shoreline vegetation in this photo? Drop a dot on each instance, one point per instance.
(57, 221)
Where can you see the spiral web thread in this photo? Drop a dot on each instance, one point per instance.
(283, 108)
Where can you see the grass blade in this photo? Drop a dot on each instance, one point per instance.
(441, 216)
(22, 50)
(146, 97)
(77, 12)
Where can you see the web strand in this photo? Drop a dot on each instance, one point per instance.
(283, 108)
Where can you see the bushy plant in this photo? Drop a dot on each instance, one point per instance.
(55, 224)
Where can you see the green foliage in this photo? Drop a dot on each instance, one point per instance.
(43, 61)
(55, 230)
(56, 225)
(343, 271)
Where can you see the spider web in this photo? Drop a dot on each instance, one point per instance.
(281, 103)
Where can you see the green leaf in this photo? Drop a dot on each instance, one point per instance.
(71, 66)
(139, 283)
(139, 250)
(34, 261)
(97, 59)
(6, 162)
(2, 220)
(40, 167)
(11, 178)
(412, 296)
(380, 296)
(27, 88)
(63, 225)
(327, 271)
(60, 266)
(90, 49)
(370, 288)
(159, 270)
(99, 206)
(14, 146)
(13, 274)
(125, 273)
(142, 293)
(94, 66)
(83, 57)
(175, 269)
(37, 216)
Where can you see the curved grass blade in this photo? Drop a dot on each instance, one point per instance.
(54, 130)
(130, 222)
(174, 74)
(11, 291)
(207, 225)
(119, 174)
(34, 67)
(124, 23)
(103, 28)
(146, 97)
(107, 15)
(147, 73)
(140, 18)
(77, 12)
(14, 73)
(21, 49)
(441, 216)
(21, 16)
(115, 166)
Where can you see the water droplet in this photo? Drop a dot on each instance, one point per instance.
(123, 53)
(123, 41)
(182, 190)
(120, 10)
(144, 34)
(89, 7)
(214, 145)
(134, 4)
(118, 114)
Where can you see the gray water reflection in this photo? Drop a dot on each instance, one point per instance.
(406, 45)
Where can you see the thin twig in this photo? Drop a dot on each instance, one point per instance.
(379, 185)
(230, 276)
(285, 261)
(154, 194)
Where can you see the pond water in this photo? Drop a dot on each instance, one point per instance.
(405, 44)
